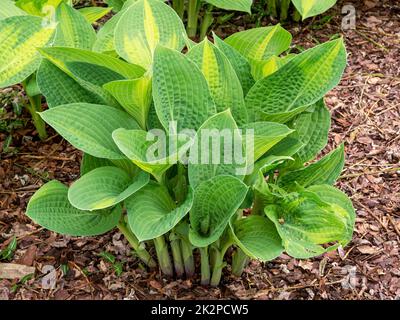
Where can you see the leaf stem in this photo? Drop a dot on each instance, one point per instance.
(188, 259)
(239, 262)
(164, 259)
(193, 19)
(177, 254)
(285, 5)
(179, 7)
(206, 22)
(141, 252)
(205, 266)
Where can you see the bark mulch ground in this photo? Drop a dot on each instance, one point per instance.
(366, 116)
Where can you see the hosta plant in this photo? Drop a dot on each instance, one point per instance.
(201, 153)
(302, 9)
(26, 25)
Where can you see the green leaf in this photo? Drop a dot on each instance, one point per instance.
(215, 202)
(152, 212)
(312, 129)
(264, 136)
(258, 238)
(135, 96)
(39, 8)
(143, 26)
(19, 38)
(342, 206)
(92, 77)
(73, 30)
(105, 36)
(304, 80)
(263, 68)
(180, 91)
(152, 157)
(9, 9)
(89, 127)
(222, 80)
(60, 56)
(287, 147)
(92, 14)
(90, 163)
(238, 62)
(325, 171)
(49, 207)
(59, 88)
(115, 4)
(215, 150)
(265, 166)
(311, 8)
(105, 187)
(237, 5)
(261, 43)
(305, 223)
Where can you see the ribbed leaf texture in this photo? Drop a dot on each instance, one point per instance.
(215, 202)
(105, 187)
(89, 127)
(20, 36)
(311, 8)
(50, 208)
(152, 212)
(258, 238)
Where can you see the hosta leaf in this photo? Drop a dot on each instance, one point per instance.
(287, 147)
(73, 30)
(180, 91)
(312, 129)
(148, 151)
(261, 43)
(264, 68)
(311, 8)
(49, 207)
(258, 238)
(342, 206)
(92, 77)
(304, 80)
(238, 62)
(237, 5)
(60, 56)
(324, 171)
(90, 163)
(305, 222)
(105, 36)
(89, 127)
(115, 4)
(105, 187)
(134, 96)
(217, 150)
(215, 202)
(38, 7)
(92, 14)
(19, 38)
(59, 88)
(152, 212)
(264, 136)
(9, 9)
(222, 80)
(143, 26)
(265, 166)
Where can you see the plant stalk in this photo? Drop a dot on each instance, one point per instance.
(296, 15)
(219, 264)
(142, 253)
(193, 19)
(177, 254)
(179, 7)
(188, 260)
(164, 259)
(35, 106)
(285, 5)
(272, 10)
(205, 266)
(239, 262)
(206, 22)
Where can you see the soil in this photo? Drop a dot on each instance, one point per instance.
(365, 111)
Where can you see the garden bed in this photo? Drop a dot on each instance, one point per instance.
(366, 116)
